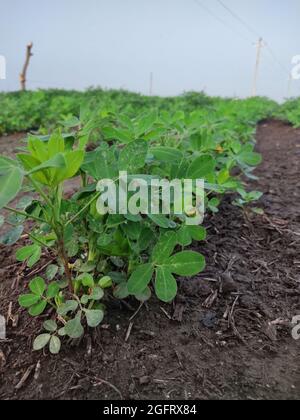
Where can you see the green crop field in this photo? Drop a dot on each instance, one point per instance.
(192, 136)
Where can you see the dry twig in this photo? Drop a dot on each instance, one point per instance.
(26, 65)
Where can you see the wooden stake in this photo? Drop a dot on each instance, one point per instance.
(26, 65)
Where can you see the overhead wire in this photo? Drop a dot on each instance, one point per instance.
(253, 31)
(222, 21)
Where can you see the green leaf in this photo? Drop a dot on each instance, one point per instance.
(58, 162)
(201, 167)
(184, 236)
(117, 277)
(73, 162)
(132, 230)
(12, 236)
(254, 195)
(97, 294)
(179, 170)
(10, 186)
(68, 306)
(133, 156)
(85, 299)
(111, 133)
(6, 164)
(29, 162)
(144, 296)
(61, 332)
(140, 279)
(2, 220)
(24, 202)
(11, 180)
(105, 282)
(213, 205)
(38, 309)
(37, 286)
(161, 221)
(121, 291)
(223, 176)
(32, 253)
(167, 154)
(56, 144)
(198, 233)
(146, 123)
(87, 280)
(101, 165)
(35, 257)
(117, 261)
(16, 219)
(41, 341)
(72, 248)
(105, 239)
(50, 325)
(26, 301)
(53, 290)
(87, 267)
(164, 248)
(94, 317)
(51, 271)
(145, 239)
(187, 263)
(85, 192)
(55, 345)
(250, 158)
(73, 328)
(165, 285)
(37, 148)
(68, 233)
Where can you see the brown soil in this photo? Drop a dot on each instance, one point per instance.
(10, 144)
(228, 335)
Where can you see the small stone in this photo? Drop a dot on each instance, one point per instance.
(209, 319)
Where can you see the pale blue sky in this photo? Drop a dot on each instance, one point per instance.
(118, 43)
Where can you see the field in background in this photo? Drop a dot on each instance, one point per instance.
(23, 111)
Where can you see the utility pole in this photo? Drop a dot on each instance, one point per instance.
(25, 68)
(259, 47)
(151, 84)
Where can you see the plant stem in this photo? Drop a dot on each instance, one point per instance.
(22, 213)
(83, 209)
(34, 238)
(83, 179)
(30, 235)
(41, 192)
(65, 260)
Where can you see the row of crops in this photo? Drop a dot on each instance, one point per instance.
(99, 257)
(23, 111)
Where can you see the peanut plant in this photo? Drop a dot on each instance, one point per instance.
(100, 257)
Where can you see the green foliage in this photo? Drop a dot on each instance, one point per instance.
(126, 255)
(24, 111)
(290, 112)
